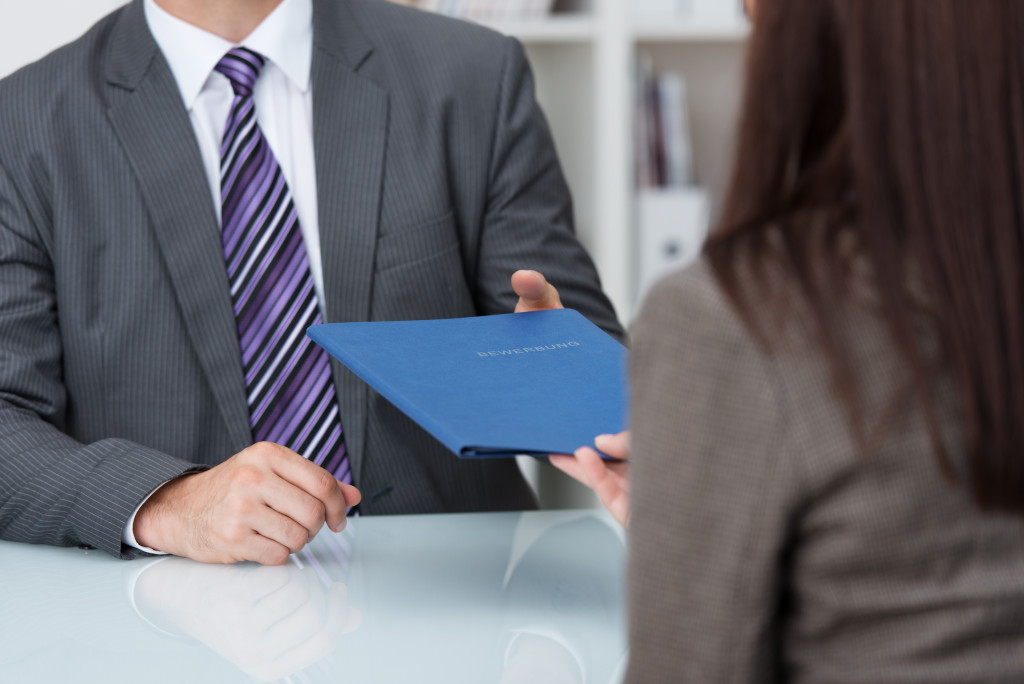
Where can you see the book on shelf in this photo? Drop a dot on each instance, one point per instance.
(663, 154)
(671, 212)
(486, 10)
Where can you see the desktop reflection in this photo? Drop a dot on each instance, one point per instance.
(269, 622)
(519, 597)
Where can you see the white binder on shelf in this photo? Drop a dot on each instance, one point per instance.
(673, 224)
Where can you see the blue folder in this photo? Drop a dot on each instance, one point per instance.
(493, 386)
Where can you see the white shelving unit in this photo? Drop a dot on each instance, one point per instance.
(683, 31)
(583, 58)
(567, 27)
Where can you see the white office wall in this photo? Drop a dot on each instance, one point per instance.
(29, 29)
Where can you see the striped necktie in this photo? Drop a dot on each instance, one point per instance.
(290, 391)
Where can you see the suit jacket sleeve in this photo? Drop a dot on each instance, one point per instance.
(53, 489)
(529, 218)
(714, 490)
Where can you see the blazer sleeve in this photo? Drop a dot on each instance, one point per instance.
(714, 492)
(53, 489)
(529, 218)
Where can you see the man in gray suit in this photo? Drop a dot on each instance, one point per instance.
(423, 174)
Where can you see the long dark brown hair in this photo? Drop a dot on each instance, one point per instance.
(895, 127)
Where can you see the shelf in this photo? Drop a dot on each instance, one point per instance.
(581, 27)
(572, 28)
(649, 31)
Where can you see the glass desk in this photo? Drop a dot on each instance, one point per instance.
(533, 597)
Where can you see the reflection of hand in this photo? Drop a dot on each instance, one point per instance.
(259, 505)
(535, 292)
(608, 479)
(537, 658)
(268, 621)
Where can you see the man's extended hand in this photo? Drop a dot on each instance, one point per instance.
(535, 292)
(261, 504)
(608, 479)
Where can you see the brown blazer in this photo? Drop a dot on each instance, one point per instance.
(765, 548)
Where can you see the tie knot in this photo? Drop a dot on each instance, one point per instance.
(242, 67)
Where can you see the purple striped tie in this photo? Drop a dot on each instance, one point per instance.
(288, 378)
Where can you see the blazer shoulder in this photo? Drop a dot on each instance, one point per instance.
(690, 304)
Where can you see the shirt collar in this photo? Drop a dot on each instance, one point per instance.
(285, 38)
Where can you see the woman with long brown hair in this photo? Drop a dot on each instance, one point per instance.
(828, 421)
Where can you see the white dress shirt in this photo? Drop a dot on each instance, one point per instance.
(283, 96)
(284, 109)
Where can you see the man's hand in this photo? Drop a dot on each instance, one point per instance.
(260, 505)
(535, 293)
(608, 479)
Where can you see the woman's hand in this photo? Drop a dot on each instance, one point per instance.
(608, 479)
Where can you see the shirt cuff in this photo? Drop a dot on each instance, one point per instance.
(128, 533)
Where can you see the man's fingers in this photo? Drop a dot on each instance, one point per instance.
(265, 551)
(529, 285)
(352, 495)
(534, 291)
(313, 480)
(297, 505)
(280, 528)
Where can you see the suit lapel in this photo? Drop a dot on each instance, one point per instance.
(148, 116)
(350, 115)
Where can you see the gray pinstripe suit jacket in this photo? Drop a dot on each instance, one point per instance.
(119, 364)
